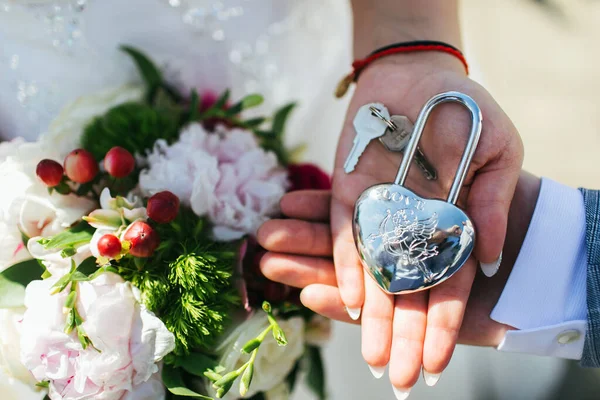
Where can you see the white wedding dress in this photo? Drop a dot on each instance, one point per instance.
(54, 52)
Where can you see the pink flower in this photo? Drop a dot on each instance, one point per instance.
(131, 341)
(308, 176)
(224, 175)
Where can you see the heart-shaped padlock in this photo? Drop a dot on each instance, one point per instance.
(408, 243)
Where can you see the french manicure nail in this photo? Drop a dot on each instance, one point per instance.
(400, 393)
(377, 371)
(354, 313)
(490, 269)
(431, 379)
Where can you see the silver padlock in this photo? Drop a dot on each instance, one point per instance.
(408, 243)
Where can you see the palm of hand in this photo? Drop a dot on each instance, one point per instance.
(424, 326)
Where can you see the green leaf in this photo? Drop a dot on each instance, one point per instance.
(253, 123)
(293, 376)
(316, 373)
(12, 295)
(73, 237)
(247, 102)
(24, 272)
(280, 119)
(88, 266)
(252, 100)
(68, 252)
(222, 101)
(43, 384)
(196, 363)
(194, 109)
(173, 380)
(149, 72)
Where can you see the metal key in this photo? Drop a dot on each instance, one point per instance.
(396, 138)
(368, 127)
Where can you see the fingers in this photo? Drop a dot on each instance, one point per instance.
(488, 204)
(447, 304)
(493, 186)
(295, 236)
(325, 300)
(377, 314)
(298, 271)
(410, 319)
(349, 271)
(308, 205)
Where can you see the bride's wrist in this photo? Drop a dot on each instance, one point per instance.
(377, 24)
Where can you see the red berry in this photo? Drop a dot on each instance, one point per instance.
(163, 207)
(50, 172)
(119, 162)
(109, 246)
(143, 239)
(80, 166)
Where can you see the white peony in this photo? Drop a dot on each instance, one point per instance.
(26, 204)
(131, 341)
(225, 175)
(273, 362)
(10, 358)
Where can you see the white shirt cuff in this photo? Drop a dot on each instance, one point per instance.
(545, 295)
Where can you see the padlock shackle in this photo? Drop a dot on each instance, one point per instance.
(463, 167)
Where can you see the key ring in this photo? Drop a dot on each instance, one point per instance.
(387, 121)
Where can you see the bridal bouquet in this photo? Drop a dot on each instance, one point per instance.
(128, 265)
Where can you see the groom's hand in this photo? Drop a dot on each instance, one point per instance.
(421, 329)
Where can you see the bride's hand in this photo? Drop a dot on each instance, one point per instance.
(424, 326)
(300, 255)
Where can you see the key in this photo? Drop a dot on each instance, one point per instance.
(368, 127)
(396, 140)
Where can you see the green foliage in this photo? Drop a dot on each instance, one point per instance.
(79, 234)
(13, 281)
(273, 139)
(188, 282)
(315, 371)
(223, 382)
(173, 380)
(133, 126)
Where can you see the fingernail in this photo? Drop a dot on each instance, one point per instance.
(377, 371)
(354, 313)
(401, 394)
(431, 379)
(490, 269)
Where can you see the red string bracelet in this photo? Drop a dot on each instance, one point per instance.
(406, 47)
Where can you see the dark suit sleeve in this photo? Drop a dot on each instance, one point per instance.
(591, 349)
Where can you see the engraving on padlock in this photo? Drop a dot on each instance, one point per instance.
(408, 243)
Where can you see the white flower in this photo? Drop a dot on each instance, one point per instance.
(10, 360)
(64, 133)
(279, 392)
(26, 204)
(225, 175)
(273, 362)
(53, 260)
(131, 341)
(318, 330)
